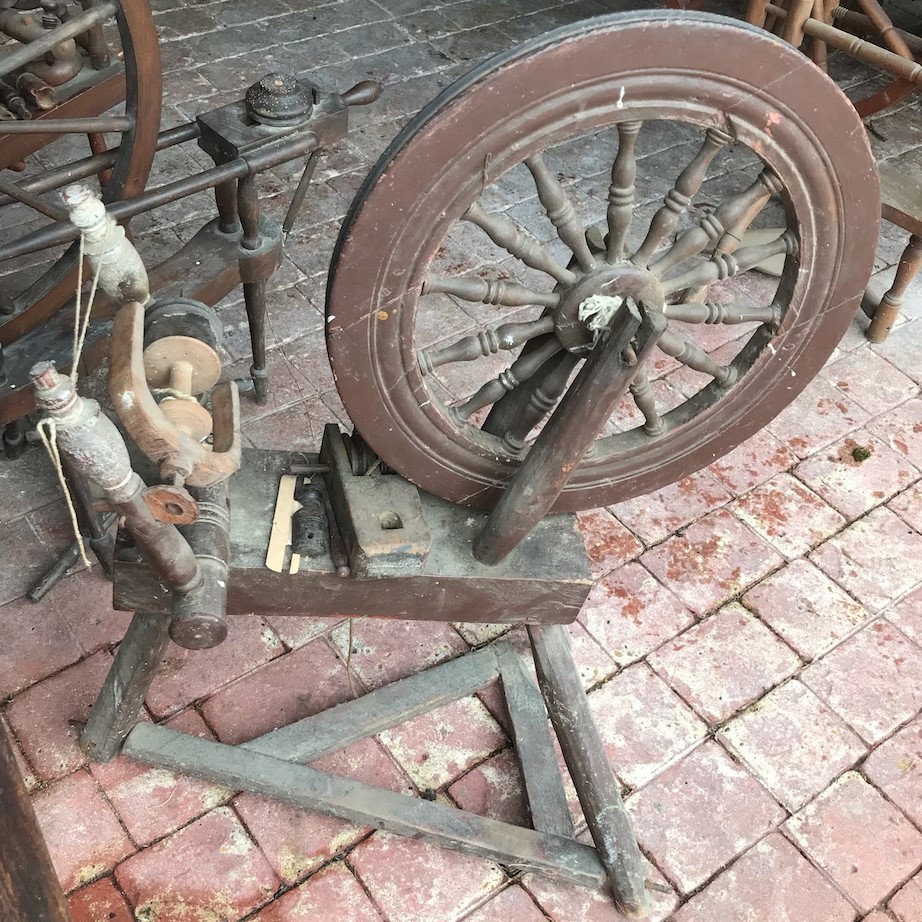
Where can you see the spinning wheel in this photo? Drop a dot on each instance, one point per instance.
(416, 326)
(113, 56)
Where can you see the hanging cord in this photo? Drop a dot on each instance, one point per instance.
(47, 428)
(48, 432)
(82, 323)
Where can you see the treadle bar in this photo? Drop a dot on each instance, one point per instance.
(547, 800)
(593, 778)
(570, 432)
(347, 723)
(320, 792)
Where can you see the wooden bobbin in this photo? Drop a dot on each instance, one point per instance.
(186, 367)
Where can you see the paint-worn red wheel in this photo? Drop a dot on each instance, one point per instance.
(493, 227)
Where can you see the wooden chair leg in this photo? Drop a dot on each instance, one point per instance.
(891, 303)
(756, 13)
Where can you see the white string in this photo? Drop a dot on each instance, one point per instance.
(82, 323)
(77, 345)
(50, 441)
(47, 428)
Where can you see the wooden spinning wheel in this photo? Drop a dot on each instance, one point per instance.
(116, 58)
(448, 365)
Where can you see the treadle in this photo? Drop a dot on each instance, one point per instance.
(544, 580)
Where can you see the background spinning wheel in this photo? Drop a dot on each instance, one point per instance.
(525, 121)
(124, 65)
(866, 18)
(873, 22)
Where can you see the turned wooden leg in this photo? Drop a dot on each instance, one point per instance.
(225, 194)
(254, 293)
(755, 14)
(798, 13)
(890, 304)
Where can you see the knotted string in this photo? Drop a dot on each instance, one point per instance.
(47, 428)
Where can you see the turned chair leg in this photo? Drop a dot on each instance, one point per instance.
(890, 304)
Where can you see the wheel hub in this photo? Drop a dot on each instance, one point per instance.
(573, 326)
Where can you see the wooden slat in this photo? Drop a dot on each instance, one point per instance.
(122, 695)
(593, 778)
(347, 723)
(357, 802)
(534, 744)
(29, 888)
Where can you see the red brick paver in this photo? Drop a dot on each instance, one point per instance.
(777, 881)
(43, 717)
(209, 867)
(787, 515)
(803, 605)
(630, 614)
(793, 743)
(714, 559)
(907, 904)
(873, 680)
(724, 662)
(857, 473)
(334, 893)
(833, 832)
(700, 814)
(83, 834)
(874, 559)
(153, 802)
(99, 902)
(414, 881)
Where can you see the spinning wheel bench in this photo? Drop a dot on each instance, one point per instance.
(542, 583)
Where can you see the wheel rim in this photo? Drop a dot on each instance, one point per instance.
(373, 297)
(35, 304)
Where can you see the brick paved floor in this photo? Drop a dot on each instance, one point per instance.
(762, 709)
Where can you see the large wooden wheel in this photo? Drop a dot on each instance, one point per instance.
(461, 296)
(118, 59)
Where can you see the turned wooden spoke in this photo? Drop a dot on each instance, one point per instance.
(691, 312)
(725, 265)
(486, 342)
(712, 227)
(543, 399)
(621, 191)
(729, 243)
(692, 356)
(513, 239)
(520, 370)
(645, 401)
(678, 197)
(488, 291)
(561, 212)
(33, 201)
